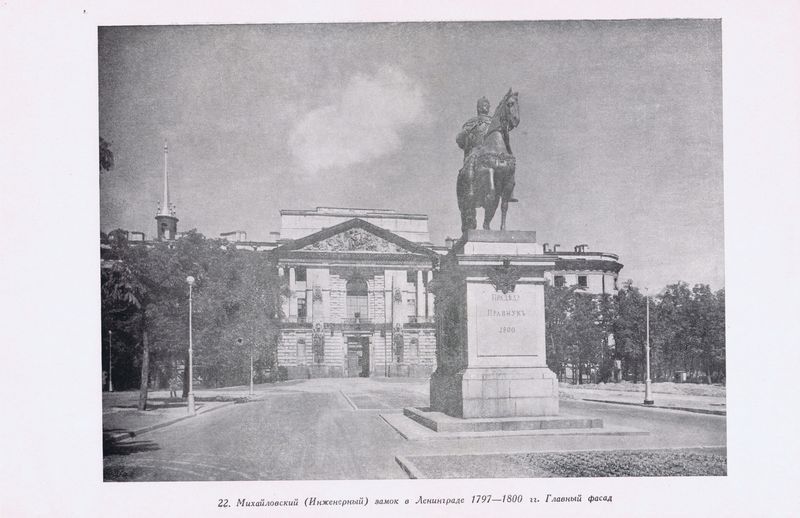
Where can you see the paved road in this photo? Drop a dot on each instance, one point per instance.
(312, 431)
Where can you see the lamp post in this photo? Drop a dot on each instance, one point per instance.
(191, 409)
(648, 395)
(110, 385)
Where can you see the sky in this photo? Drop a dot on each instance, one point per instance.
(619, 144)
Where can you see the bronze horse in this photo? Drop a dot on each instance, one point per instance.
(487, 177)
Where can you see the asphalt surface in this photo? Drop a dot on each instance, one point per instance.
(332, 429)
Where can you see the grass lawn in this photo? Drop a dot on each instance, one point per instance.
(616, 463)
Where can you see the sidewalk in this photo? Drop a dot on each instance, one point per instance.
(122, 419)
(714, 405)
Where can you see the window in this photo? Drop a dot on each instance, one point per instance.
(616, 286)
(300, 273)
(411, 277)
(357, 298)
(301, 308)
(558, 281)
(583, 281)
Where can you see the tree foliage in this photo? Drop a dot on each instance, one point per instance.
(145, 301)
(687, 332)
(577, 325)
(106, 156)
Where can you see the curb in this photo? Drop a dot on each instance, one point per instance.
(411, 470)
(134, 433)
(661, 407)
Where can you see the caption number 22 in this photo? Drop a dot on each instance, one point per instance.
(223, 502)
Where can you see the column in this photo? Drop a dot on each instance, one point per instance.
(420, 295)
(292, 299)
(309, 301)
(429, 294)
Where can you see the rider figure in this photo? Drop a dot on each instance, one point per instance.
(471, 136)
(472, 132)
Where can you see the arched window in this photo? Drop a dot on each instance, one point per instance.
(357, 299)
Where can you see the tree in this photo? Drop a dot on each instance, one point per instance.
(106, 156)
(124, 299)
(629, 329)
(557, 306)
(672, 330)
(687, 332)
(607, 315)
(717, 338)
(707, 313)
(150, 282)
(236, 295)
(584, 333)
(240, 300)
(577, 325)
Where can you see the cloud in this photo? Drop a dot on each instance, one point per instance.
(362, 125)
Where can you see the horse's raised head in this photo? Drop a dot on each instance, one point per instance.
(511, 106)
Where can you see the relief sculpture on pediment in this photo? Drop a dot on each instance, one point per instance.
(355, 240)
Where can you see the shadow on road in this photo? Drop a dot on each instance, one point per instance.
(114, 447)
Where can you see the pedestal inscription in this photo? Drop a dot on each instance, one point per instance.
(504, 323)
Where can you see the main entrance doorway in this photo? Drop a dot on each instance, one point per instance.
(358, 356)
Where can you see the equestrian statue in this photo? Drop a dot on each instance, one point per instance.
(487, 176)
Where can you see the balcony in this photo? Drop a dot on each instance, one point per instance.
(296, 319)
(414, 319)
(356, 321)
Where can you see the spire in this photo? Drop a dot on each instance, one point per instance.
(166, 208)
(167, 222)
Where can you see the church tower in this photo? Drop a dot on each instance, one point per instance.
(166, 221)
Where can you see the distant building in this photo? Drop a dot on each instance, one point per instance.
(594, 272)
(359, 302)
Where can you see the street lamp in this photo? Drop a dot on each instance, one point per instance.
(251, 365)
(191, 409)
(648, 395)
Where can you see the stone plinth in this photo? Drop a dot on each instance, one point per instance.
(439, 422)
(491, 359)
(496, 392)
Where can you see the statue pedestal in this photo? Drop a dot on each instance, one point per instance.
(492, 378)
(491, 345)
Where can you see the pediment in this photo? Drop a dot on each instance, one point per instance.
(354, 236)
(355, 240)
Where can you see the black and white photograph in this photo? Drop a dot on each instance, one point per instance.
(426, 250)
(339, 259)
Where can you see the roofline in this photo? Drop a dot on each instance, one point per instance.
(604, 254)
(363, 212)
